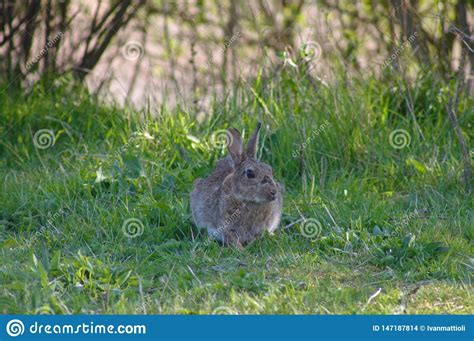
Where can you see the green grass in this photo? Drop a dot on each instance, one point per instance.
(396, 224)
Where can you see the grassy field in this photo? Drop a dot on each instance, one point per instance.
(95, 217)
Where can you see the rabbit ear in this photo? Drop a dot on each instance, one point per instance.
(253, 142)
(235, 145)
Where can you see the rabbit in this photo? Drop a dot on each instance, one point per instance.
(240, 199)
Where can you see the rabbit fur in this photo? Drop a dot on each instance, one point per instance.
(240, 199)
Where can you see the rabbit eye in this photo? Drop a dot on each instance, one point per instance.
(250, 174)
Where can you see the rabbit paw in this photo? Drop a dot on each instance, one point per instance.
(232, 239)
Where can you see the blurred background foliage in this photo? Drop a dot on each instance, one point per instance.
(331, 81)
(144, 53)
(195, 48)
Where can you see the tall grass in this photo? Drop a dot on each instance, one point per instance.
(382, 209)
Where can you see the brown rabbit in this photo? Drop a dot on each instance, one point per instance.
(240, 199)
